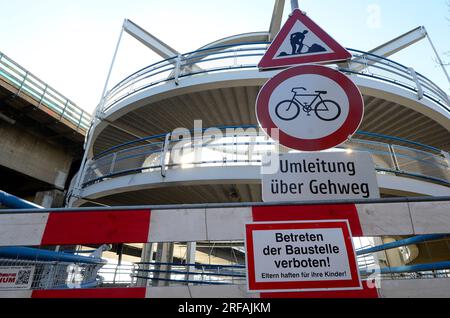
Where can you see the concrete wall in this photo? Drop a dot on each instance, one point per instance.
(415, 288)
(33, 156)
(50, 199)
(225, 292)
(402, 288)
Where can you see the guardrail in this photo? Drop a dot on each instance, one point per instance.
(201, 274)
(159, 153)
(44, 275)
(60, 276)
(210, 274)
(240, 56)
(42, 93)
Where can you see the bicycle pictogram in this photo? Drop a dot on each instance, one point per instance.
(324, 109)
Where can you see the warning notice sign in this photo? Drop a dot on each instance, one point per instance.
(16, 277)
(301, 256)
(319, 176)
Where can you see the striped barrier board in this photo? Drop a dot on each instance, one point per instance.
(67, 228)
(98, 226)
(37, 228)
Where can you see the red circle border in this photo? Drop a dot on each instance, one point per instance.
(348, 128)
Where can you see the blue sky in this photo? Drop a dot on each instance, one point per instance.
(69, 43)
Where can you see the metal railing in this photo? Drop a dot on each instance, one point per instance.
(370, 266)
(372, 259)
(160, 153)
(55, 274)
(198, 274)
(117, 275)
(45, 96)
(204, 274)
(61, 275)
(240, 56)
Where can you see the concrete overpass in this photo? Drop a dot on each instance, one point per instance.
(42, 136)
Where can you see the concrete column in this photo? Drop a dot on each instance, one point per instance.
(146, 257)
(164, 254)
(394, 257)
(191, 248)
(379, 257)
(50, 199)
(33, 156)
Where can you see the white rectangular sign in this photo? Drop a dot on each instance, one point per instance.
(16, 277)
(299, 256)
(319, 176)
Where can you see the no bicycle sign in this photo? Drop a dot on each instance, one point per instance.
(313, 107)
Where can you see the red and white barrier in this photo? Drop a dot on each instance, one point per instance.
(67, 228)
(212, 224)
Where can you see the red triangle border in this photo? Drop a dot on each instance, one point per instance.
(339, 53)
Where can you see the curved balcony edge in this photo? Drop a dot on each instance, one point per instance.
(236, 64)
(155, 155)
(368, 86)
(240, 56)
(389, 184)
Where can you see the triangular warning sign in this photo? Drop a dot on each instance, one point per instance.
(302, 41)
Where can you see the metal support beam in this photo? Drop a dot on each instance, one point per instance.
(164, 154)
(14, 202)
(26, 253)
(413, 268)
(416, 80)
(177, 70)
(294, 4)
(404, 242)
(89, 136)
(391, 47)
(99, 108)
(157, 46)
(277, 16)
(149, 40)
(438, 58)
(401, 42)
